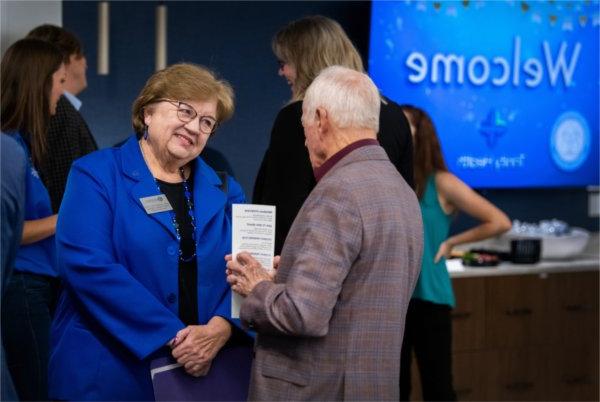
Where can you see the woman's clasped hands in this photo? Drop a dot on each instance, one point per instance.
(196, 346)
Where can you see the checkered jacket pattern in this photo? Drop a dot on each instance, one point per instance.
(330, 326)
(69, 138)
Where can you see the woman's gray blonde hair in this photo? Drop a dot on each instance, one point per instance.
(311, 44)
(183, 82)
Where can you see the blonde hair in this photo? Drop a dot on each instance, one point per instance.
(183, 82)
(312, 44)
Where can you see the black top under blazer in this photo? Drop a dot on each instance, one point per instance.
(285, 178)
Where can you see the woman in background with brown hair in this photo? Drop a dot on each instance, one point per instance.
(304, 48)
(32, 81)
(441, 194)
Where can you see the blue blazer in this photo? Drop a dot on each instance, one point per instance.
(120, 270)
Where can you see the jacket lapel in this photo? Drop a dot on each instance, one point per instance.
(135, 168)
(208, 197)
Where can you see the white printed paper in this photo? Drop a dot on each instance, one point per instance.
(253, 231)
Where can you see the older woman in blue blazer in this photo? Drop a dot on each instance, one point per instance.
(141, 237)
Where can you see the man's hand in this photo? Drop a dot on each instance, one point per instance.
(244, 273)
(197, 345)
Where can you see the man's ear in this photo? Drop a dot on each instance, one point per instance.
(322, 119)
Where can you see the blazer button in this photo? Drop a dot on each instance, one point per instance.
(171, 298)
(171, 250)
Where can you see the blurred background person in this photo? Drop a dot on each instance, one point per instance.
(441, 195)
(32, 82)
(303, 48)
(68, 137)
(142, 233)
(12, 182)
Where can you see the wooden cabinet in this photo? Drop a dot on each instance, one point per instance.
(573, 373)
(468, 317)
(515, 375)
(527, 337)
(515, 312)
(469, 373)
(573, 359)
(573, 302)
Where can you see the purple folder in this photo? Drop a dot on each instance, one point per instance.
(227, 379)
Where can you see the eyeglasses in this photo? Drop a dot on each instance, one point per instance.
(187, 113)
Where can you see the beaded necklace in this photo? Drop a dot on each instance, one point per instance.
(190, 206)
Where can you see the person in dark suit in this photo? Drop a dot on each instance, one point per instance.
(304, 48)
(13, 171)
(330, 323)
(69, 136)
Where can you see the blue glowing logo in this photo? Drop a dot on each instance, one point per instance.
(570, 141)
(492, 127)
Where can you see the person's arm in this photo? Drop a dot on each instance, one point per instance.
(259, 182)
(38, 229)
(13, 173)
(456, 195)
(105, 289)
(406, 153)
(331, 233)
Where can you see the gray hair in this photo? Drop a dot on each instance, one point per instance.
(350, 97)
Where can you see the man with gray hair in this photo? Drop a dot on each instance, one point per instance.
(330, 321)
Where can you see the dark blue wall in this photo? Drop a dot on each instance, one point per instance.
(233, 38)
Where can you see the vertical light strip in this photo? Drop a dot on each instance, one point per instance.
(161, 37)
(103, 37)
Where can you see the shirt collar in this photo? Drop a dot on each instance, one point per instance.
(73, 99)
(322, 170)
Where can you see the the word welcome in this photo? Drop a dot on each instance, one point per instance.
(479, 69)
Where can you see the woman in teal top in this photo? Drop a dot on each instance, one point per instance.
(428, 328)
(434, 283)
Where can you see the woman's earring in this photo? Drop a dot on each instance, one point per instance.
(146, 133)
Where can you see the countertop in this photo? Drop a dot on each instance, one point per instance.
(589, 260)
(584, 262)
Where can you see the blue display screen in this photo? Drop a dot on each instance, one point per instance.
(511, 86)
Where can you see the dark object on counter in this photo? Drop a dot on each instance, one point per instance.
(525, 251)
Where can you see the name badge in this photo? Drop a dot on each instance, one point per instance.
(156, 203)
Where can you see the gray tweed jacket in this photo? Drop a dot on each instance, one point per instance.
(330, 326)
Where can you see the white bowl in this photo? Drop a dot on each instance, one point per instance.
(558, 247)
(553, 247)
